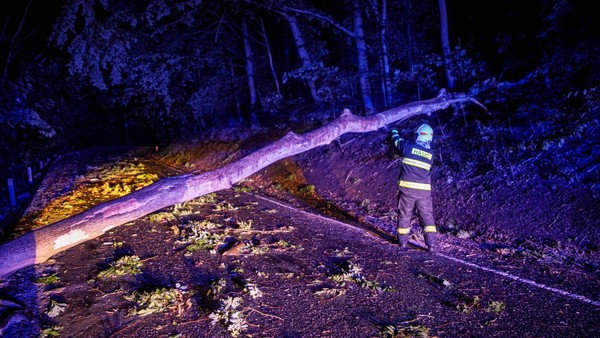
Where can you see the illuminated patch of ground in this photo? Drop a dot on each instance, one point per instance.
(97, 185)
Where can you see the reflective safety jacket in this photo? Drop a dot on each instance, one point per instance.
(416, 165)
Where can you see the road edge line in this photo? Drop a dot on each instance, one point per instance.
(458, 260)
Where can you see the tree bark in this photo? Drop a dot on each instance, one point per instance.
(445, 43)
(303, 54)
(386, 84)
(270, 56)
(363, 64)
(253, 119)
(357, 33)
(40, 244)
(410, 37)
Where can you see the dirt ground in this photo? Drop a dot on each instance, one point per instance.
(305, 248)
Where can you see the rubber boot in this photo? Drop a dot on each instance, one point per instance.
(402, 240)
(431, 241)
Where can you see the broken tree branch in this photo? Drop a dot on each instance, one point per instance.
(40, 244)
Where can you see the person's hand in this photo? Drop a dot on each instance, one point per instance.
(394, 137)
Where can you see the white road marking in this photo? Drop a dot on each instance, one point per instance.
(498, 272)
(523, 280)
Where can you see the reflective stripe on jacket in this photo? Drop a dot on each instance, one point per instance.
(416, 166)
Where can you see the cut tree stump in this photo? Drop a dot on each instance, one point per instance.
(40, 244)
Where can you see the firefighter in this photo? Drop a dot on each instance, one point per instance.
(415, 185)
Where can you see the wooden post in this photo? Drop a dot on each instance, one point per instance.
(29, 175)
(11, 192)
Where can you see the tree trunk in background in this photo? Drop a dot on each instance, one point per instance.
(361, 47)
(384, 58)
(238, 106)
(270, 55)
(384, 51)
(302, 52)
(363, 65)
(445, 43)
(40, 244)
(249, 71)
(10, 54)
(411, 43)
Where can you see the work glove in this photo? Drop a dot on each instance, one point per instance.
(395, 137)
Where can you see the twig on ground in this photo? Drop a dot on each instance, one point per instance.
(264, 314)
(348, 176)
(118, 333)
(194, 321)
(389, 165)
(445, 324)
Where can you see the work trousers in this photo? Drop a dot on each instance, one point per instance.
(406, 204)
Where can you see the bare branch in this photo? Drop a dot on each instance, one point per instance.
(321, 17)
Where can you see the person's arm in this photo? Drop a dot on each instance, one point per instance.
(396, 139)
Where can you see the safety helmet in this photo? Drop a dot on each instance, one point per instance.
(424, 134)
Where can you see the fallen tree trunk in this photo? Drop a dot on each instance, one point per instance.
(40, 244)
